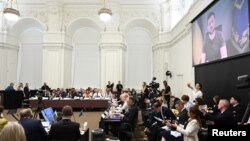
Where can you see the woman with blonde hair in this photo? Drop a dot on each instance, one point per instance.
(124, 99)
(3, 121)
(12, 132)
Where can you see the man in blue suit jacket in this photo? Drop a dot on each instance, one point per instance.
(34, 129)
(10, 87)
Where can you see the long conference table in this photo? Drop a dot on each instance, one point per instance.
(88, 103)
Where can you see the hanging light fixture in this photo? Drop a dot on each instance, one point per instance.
(105, 13)
(11, 13)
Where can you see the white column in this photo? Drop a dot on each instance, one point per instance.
(112, 63)
(57, 64)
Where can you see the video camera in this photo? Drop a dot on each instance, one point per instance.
(243, 82)
(153, 85)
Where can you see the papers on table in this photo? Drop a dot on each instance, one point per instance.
(175, 133)
(66, 98)
(76, 97)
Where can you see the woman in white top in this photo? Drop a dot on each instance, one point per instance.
(190, 129)
(197, 90)
(98, 94)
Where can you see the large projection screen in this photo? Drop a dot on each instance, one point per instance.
(221, 31)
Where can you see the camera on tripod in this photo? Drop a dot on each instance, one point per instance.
(153, 87)
(153, 84)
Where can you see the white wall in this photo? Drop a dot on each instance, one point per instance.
(139, 58)
(181, 65)
(3, 68)
(86, 58)
(30, 58)
(67, 67)
(52, 67)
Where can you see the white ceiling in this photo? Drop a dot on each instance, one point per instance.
(92, 1)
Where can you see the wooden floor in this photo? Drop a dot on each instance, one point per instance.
(93, 118)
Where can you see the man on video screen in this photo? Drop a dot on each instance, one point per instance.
(214, 44)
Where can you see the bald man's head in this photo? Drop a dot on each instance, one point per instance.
(26, 113)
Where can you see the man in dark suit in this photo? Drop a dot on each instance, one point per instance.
(132, 114)
(129, 119)
(155, 125)
(182, 116)
(65, 130)
(26, 91)
(34, 129)
(119, 88)
(236, 108)
(110, 86)
(224, 117)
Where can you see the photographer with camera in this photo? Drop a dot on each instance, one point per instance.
(153, 90)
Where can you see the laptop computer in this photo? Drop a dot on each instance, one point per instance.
(48, 115)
